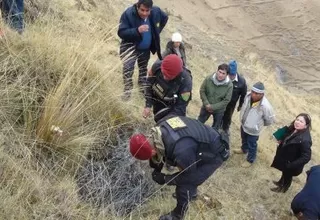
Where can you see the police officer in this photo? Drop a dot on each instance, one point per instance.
(306, 204)
(183, 152)
(169, 87)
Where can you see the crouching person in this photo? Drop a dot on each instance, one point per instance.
(183, 152)
(306, 204)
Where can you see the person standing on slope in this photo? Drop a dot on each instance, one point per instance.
(215, 93)
(176, 46)
(238, 94)
(139, 30)
(255, 113)
(293, 152)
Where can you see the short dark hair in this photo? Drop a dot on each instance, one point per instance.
(225, 67)
(147, 3)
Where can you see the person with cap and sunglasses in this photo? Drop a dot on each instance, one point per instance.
(176, 46)
(139, 29)
(169, 87)
(255, 113)
(293, 151)
(238, 94)
(192, 151)
(306, 204)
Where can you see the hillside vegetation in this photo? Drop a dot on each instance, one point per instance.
(61, 115)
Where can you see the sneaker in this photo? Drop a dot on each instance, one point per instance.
(246, 164)
(238, 151)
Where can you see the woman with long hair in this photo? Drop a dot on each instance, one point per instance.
(293, 152)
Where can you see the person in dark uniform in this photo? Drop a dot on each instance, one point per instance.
(238, 94)
(192, 151)
(306, 204)
(139, 29)
(169, 87)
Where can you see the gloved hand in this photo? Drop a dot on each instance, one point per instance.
(170, 216)
(239, 108)
(155, 166)
(158, 177)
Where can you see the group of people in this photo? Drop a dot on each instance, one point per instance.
(185, 152)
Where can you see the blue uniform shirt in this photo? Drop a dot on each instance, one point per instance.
(146, 36)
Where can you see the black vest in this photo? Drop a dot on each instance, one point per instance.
(162, 88)
(208, 138)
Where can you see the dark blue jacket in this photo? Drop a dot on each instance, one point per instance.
(308, 200)
(130, 21)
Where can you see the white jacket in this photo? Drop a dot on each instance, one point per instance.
(254, 118)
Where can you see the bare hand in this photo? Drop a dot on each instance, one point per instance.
(300, 216)
(146, 112)
(209, 108)
(149, 73)
(143, 28)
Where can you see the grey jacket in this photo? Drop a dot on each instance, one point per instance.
(254, 118)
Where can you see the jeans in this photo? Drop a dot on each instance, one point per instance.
(12, 12)
(249, 145)
(217, 117)
(128, 66)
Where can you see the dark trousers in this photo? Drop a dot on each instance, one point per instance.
(12, 13)
(187, 186)
(129, 61)
(249, 145)
(226, 120)
(217, 117)
(285, 180)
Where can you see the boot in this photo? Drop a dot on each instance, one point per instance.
(277, 189)
(171, 216)
(276, 183)
(285, 188)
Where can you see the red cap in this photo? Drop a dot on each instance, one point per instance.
(140, 147)
(171, 66)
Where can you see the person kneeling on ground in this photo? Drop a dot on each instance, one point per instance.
(192, 151)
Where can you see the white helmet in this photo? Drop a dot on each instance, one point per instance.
(176, 37)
